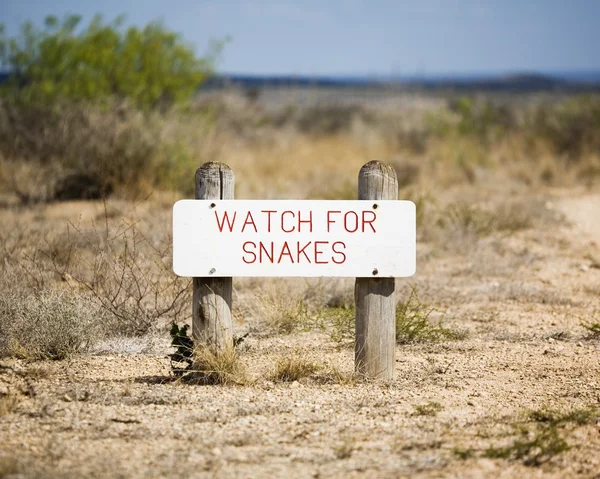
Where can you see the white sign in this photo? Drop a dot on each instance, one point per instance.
(294, 238)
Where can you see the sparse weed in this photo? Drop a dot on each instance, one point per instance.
(285, 315)
(593, 328)
(547, 438)
(292, 368)
(430, 409)
(533, 447)
(339, 322)
(413, 324)
(462, 453)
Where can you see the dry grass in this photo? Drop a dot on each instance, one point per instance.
(8, 403)
(212, 367)
(292, 368)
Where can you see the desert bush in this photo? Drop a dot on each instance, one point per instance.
(47, 326)
(572, 127)
(125, 274)
(151, 66)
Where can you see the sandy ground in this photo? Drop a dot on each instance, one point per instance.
(116, 412)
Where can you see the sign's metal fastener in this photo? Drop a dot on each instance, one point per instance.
(375, 272)
(212, 205)
(212, 271)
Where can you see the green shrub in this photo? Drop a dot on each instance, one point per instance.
(151, 66)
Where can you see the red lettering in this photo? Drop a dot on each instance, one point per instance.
(249, 221)
(230, 224)
(260, 252)
(302, 251)
(368, 222)
(268, 218)
(343, 255)
(244, 246)
(329, 220)
(285, 251)
(282, 216)
(309, 221)
(317, 252)
(355, 222)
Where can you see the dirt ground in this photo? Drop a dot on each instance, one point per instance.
(520, 297)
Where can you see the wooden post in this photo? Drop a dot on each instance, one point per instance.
(212, 324)
(375, 341)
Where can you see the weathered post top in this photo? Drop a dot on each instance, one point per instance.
(214, 181)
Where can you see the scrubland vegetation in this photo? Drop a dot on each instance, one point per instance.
(498, 354)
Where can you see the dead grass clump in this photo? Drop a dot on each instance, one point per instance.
(47, 326)
(213, 367)
(413, 324)
(335, 376)
(293, 368)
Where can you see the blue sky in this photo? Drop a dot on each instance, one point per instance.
(373, 37)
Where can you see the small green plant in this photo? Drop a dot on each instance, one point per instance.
(430, 409)
(547, 438)
(533, 447)
(292, 368)
(182, 359)
(462, 453)
(593, 329)
(413, 324)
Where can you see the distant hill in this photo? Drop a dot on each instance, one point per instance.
(523, 82)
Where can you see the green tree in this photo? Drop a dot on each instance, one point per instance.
(152, 66)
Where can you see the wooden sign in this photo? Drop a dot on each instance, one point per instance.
(228, 238)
